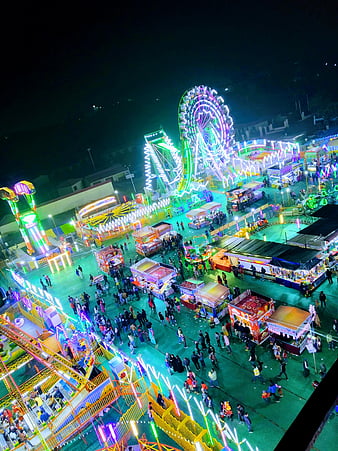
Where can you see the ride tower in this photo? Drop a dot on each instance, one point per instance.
(28, 221)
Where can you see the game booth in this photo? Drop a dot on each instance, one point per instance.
(239, 198)
(252, 310)
(213, 298)
(198, 250)
(202, 216)
(188, 291)
(290, 326)
(156, 277)
(109, 259)
(149, 239)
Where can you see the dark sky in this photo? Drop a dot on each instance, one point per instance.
(57, 63)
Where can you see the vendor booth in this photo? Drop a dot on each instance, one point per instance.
(284, 175)
(149, 240)
(153, 276)
(214, 299)
(202, 217)
(290, 326)
(240, 198)
(242, 252)
(252, 310)
(109, 259)
(188, 291)
(292, 266)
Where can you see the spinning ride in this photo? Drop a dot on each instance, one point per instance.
(28, 221)
(163, 163)
(206, 130)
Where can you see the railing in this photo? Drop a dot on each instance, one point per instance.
(79, 421)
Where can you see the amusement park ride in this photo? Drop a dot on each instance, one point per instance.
(207, 151)
(28, 221)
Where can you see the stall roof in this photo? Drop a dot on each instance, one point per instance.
(322, 227)
(213, 291)
(282, 255)
(327, 211)
(289, 317)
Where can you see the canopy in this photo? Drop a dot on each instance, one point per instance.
(282, 255)
(289, 317)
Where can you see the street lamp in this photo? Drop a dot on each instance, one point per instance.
(89, 150)
(117, 195)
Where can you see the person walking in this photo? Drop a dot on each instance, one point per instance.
(273, 388)
(209, 403)
(282, 364)
(306, 370)
(227, 343)
(218, 339)
(248, 422)
(213, 382)
(329, 276)
(186, 364)
(207, 338)
(240, 413)
(322, 298)
(161, 318)
(201, 359)
(195, 360)
(256, 375)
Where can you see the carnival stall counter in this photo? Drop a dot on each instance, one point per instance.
(252, 310)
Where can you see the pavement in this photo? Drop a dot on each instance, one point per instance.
(269, 421)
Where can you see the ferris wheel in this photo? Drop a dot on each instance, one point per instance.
(163, 163)
(206, 129)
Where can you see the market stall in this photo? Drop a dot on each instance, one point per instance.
(202, 217)
(214, 299)
(241, 197)
(237, 251)
(109, 259)
(188, 291)
(153, 276)
(149, 239)
(292, 266)
(284, 175)
(290, 326)
(252, 310)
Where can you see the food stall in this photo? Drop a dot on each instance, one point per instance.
(241, 197)
(252, 310)
(290, 326)
(202, 216)
(153, 276)
(149, 239)
(214, 299)
(109, 258)
(188, 292)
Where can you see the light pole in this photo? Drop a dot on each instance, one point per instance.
(306, 173)
(117, 195)
(287, 197)
(89, 150)
(54, 224)
(130, 177)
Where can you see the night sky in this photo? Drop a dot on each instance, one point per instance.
(136, 62)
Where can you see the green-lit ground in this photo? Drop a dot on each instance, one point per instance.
(235, 372)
